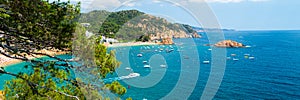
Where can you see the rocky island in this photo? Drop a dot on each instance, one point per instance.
(229, 44)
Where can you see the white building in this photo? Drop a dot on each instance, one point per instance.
(108, 40)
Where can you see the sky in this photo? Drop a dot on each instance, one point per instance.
(232, 14)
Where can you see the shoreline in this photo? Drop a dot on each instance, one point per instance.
(6, 61)
(130, 44)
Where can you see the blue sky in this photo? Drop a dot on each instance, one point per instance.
(235, 14)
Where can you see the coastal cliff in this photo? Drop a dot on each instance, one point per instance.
(228, 43)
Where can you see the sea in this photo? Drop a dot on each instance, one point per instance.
(268, 68)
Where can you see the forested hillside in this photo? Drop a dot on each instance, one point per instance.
(131, 24)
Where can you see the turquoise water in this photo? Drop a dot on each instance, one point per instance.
(274, 73)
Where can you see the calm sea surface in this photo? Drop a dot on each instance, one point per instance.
(274, 73)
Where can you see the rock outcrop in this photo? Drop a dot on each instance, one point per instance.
(228, 43)
(196, 35)
(2, 95)
(167, 41)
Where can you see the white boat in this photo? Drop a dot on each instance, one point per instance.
(147, 66)
(128, 68)
(235, 59)
(163, 66)
(144, 62)
(251, 58)
(139, 55)
(248, 46)
(210, 49)
(233, 54)
(133, 75)
(205, 62)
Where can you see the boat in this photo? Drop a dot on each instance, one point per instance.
(147, 66)
(139, 55)
(248, 46)
(251, 58)
(133, 75)
(235, 59)
(163, 66)
(233, 54)
(168, 51)
(228, 58)
(205, 62)
(128, 68)
(210, 49)
(144, 62)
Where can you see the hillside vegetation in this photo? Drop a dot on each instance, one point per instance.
(129, 25)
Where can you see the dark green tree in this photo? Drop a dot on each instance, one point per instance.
(144, 38)
(27, 26)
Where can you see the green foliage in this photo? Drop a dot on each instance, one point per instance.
(38, 22)
(107, 62)
(115, 20)
(116, 87)
(31, 25)
(95, 18)
(42, 84)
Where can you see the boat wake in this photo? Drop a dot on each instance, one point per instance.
(131, 75)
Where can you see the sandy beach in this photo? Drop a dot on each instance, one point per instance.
(5, 61)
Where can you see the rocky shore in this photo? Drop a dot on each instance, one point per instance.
(229, 44)
(167, 41)
(2, 95)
